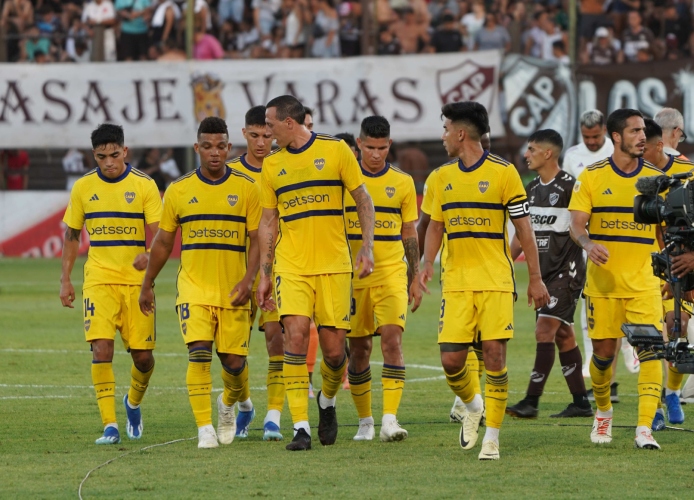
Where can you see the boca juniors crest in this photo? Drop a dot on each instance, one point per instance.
(233, 199)
(129, 197)
(390, 191)
(87, 324)
(483, 186)
(319, 163)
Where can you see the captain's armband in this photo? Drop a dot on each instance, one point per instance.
(518, 209)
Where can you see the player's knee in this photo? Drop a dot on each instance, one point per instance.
(232, 362)
(102, 350)
(143, 360)
(452, 364)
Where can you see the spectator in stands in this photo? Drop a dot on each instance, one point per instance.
(163, 22)
(14, 165)
(264, 12)
(150, 164)
(592, 17)
(637, 37)
(559, 52)
(421, 12)
(544, 36)
(75, 165)
(326, 42)
(350, 28)
(206, 47)
(171, 51)
(388, 43)
(517, 25)
(385, 15)
(247, 40)
(100, 16)
(447, 37)
(413, 36)
(439, 8)
(297, 15)
(32, 43)
(233, 10)
(473, 22)
(16, 16)
(76, 44)
(492, 36)
(203, 17)
(134, 18)
(604, 50)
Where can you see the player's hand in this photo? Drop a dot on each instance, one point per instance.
(241, 293)
(415, 298)
(67, 293)
(365, 262)
(141, 261)
(666, 291)
(537, 293)
(683, 264)
(146, 300)
(426, 276)
(597, 253)
(264, 294)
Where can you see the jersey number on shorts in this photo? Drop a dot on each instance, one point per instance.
(353, 309)
(88, 307)
(184, 312)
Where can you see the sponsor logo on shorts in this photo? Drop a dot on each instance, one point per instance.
(87, 324)
(390, 191)
(184, 328)
(552, 302)
(129, 197)
(483, 186)
(233, 199)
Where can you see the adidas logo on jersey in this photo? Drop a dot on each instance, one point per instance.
(346, 318)
(282, 172)
(448, 188)
(193, 200)
(509, 327)
(94, 198)
(607, 191)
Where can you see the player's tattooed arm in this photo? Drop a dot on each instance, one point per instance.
(364, 263)
(267, 236)
(411, 244)
(71, 246)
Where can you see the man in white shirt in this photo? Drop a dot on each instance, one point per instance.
(672, 123)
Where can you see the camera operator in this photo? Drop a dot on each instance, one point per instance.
(620, 286)
(681, 265)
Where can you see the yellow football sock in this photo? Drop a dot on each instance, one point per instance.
(473, 364)
(674, 378)
(495, 397)
(296, 385)
(650, 386)
(360, 387)
(275, 384)
(105, 387)
(461, 384)
(235, 385)
(477, 349)
(138, 384)
(600, 376)
(332, 378)
(393, 381)
(199, 382)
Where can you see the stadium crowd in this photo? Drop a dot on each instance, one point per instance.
(610, 31)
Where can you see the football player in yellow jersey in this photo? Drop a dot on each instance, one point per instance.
(475, 359)
(473, 196)
(620, 286)
(217, 209)
(379, 301)
(682, 264)
(302, 199)
(259, 145)
(115, 202)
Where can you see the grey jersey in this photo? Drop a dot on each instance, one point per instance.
(561, 260)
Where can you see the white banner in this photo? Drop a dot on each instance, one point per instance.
(160, 104)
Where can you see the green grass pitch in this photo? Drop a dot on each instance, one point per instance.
(49, 421)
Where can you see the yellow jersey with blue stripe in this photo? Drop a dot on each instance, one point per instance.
(677, 165)
(607, 194)
(114, 212)
(427, 201)
(306, 186)
(214, 217)
(239, 163)
(395, 202)
(475, 203)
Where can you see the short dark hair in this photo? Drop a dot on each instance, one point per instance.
(653, 130)
(213, 125)
(255, 116)
(376, 127)
(108, 133)
(348, 138)
(617, 121)
(548, 136)
(308, 111)
(288, 106)
(559, 44)
(469, 113)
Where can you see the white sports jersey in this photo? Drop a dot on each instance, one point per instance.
(579, 157)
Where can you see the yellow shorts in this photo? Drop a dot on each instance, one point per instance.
(377, 306)
(229, 329)
(108, 308)
(606, 315)
(669, 306)
(263, 316)
(325, 297)
(468, 316)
